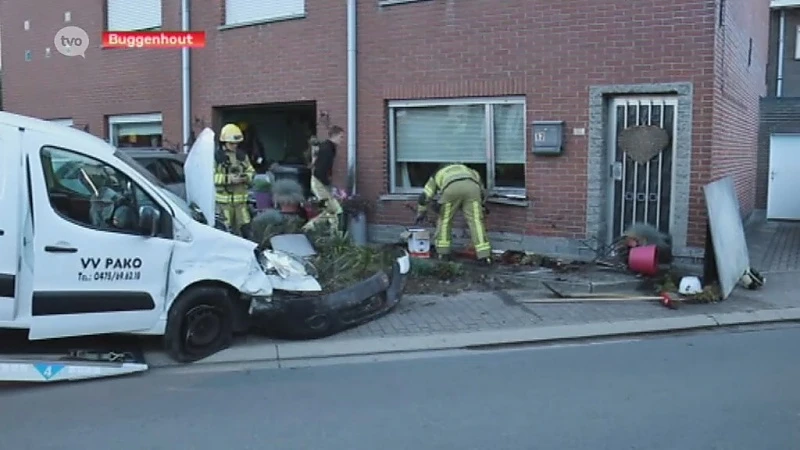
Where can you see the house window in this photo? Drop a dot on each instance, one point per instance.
(487, 135)
(64, 122)
(127, 15)
(253, 11)
(136, 130)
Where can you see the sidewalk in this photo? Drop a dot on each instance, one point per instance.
(431, 322)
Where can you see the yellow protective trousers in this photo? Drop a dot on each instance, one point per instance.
(332, 210)
(466, 196)
(235, 216)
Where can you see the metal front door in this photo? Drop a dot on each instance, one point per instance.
(641, 192)
(784, 184)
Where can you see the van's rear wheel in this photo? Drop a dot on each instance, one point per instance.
(199, 324)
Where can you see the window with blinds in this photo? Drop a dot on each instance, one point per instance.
(127, 15)
(251, 11)
(487, 135)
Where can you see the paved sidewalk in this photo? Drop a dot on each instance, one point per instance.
(479, 318)
(775, 249)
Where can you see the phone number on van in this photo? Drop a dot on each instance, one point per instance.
(124, 275)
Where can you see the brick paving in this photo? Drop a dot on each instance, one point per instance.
(775, 247)
(775, 250)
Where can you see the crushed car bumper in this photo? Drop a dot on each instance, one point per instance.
(298, 315)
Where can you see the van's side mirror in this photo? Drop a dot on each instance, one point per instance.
(149, 219)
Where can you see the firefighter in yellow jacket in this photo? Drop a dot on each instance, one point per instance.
(459, 187)
(232, 177)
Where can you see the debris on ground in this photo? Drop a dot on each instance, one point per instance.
(436, 277)
(669, 282)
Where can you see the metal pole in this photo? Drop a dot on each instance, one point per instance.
(186, 74)
(351, 96)
(781, 51)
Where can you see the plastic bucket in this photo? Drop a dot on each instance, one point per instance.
(263, 200)
(644, 260)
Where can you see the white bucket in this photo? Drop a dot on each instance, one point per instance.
(419, 243)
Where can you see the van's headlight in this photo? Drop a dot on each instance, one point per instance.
(284, 264)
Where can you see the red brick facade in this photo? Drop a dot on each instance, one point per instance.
(549, 52)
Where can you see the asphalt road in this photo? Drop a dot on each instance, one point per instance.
(726, 391)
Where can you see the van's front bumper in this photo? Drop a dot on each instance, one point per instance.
(291, 315)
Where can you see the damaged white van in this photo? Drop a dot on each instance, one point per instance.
(91, 244)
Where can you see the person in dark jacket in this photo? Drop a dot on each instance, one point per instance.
(322, 174)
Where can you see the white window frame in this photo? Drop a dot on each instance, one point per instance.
(237, 13)
(67, 122)
(130, 9)
(797, 43)
(115, 121)
(488, 103)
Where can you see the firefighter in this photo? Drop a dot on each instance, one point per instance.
(232, 178)
(459, 187)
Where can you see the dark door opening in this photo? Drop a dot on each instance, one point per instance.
(274, 133)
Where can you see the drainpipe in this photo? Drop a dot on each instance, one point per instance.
(781, 51)
(186, 91)
(351, 96)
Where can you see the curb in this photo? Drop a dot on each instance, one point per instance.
(292, 351)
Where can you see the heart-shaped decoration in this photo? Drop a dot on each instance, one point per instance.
(643, 143)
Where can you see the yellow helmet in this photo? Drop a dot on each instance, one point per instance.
(231, 133)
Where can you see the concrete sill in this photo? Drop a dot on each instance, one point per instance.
(398, 197)
(522, 203)
(398, 2)
(232, 26)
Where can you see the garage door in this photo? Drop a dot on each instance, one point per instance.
(783, 200)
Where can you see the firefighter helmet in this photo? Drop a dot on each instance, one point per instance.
(231, 133)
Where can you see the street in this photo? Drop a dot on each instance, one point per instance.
(733, 390)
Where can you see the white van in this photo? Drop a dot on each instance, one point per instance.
(90, 244)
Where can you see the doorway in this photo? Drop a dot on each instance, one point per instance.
(641, 193)
(783, 183)
(277, 132)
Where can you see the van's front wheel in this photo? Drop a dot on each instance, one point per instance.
(199, 324)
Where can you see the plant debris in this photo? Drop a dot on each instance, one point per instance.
(339, 263)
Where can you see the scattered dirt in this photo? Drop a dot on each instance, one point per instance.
(470, 277)
(431, 276)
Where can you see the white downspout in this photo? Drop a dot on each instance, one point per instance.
(186, 76)
(781, 51)
(351, 96)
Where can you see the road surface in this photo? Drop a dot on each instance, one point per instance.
(729, 390)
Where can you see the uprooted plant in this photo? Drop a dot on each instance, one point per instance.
(338, 263)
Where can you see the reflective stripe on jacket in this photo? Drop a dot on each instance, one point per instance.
(229, 190)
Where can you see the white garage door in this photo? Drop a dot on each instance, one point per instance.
(783, 200)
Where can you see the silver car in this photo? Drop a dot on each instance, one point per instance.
(165, 164)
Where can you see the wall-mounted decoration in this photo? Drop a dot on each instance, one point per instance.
(643, 143)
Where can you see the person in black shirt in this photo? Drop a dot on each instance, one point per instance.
(322, 174)
(326, 155)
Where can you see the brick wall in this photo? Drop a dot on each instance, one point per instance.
(106, 82)
(740, 79)
(549, 51)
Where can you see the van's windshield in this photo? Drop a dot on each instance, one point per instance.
(194, 213)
